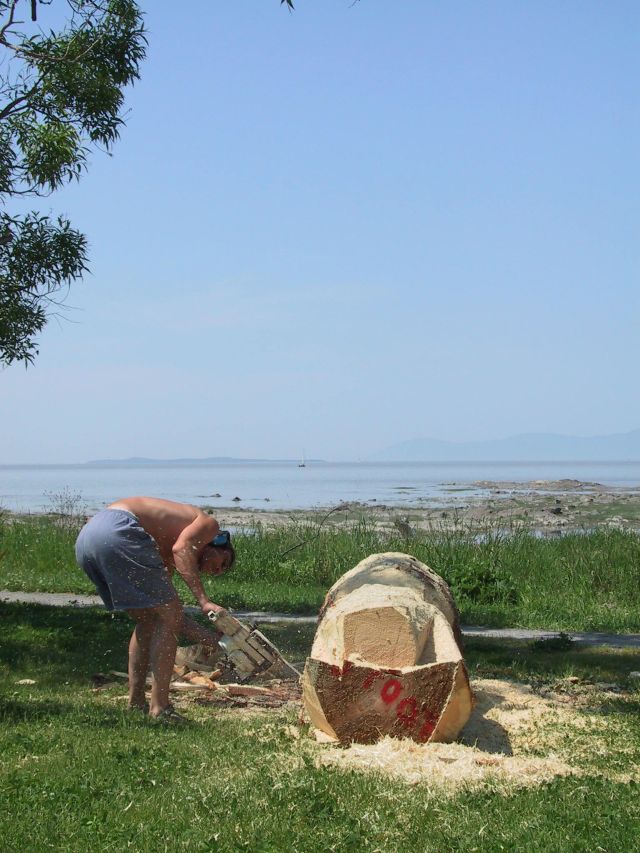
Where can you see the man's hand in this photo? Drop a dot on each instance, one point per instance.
(209, 607)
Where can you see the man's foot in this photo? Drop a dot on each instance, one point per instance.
(169, 715)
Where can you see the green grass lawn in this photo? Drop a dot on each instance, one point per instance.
(78, 772)
(578, 582)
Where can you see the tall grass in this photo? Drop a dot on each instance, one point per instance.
(37, 553)
(575, 582)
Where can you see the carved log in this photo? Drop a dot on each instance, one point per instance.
(387, 656)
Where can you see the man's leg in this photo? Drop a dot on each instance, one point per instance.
(154, 646)
(139, 650)
(164, 643)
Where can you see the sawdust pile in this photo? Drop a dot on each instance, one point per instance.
(507, 722)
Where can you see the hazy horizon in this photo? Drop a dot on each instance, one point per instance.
(616, 447)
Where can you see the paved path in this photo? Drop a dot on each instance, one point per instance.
(56, 599)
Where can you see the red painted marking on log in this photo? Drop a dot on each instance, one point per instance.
(428, 726)
(407, 710)
(338, 672)
(391, 689)
(426, 731)
(371, 678)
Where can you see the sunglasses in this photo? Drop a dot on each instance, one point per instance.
(223, 538)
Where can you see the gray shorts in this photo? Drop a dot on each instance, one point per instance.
(123, 561)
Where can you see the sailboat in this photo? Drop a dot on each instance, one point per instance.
(302, 464)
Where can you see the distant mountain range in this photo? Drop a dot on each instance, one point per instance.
(208, 460)
(530, 447)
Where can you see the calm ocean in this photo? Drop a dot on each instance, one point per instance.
(284, 485)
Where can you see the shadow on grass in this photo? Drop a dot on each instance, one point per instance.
(520, 659)
(58, 645)
(488, 735)
(616, 707)
(600, 672)
(30, 710)
(294, 641)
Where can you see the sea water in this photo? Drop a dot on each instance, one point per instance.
(281, 485)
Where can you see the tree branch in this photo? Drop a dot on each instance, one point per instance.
(19, 100)
(10, 22)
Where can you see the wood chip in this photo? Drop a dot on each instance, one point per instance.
(201, 681)
(248, 690)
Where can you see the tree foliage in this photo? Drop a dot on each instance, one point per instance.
(61, 94)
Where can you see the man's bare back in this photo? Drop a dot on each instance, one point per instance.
(166, 520)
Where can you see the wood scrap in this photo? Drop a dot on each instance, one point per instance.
(188, 685)
(196, 677)
(248, 690)
(191, 677)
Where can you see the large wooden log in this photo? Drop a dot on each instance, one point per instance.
(387, 656)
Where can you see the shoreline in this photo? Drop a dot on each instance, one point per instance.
(547, 506)
(541, 505)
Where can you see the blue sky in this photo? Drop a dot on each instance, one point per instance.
(352, 225)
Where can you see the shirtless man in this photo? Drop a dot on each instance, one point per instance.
(130, 550)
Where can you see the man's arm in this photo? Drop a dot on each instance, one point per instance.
(187, 551)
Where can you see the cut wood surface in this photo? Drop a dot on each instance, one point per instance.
(387, 658)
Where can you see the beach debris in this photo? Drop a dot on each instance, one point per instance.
(403, 527)
(386, 658)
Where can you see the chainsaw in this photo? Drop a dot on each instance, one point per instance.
(248, 650)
